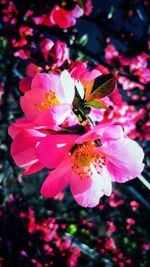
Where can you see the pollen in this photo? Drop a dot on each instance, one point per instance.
(50, 100)
(85, 157)
(64, 3)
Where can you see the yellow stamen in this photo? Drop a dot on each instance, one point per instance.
(64, 3)
(50, 100)
(84, 156)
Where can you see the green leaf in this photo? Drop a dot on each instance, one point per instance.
(103, 86)
(80, 2)
(85, 110)
(96, 103)
(83, 40)
(72, 229)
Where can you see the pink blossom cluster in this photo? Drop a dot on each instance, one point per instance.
(137, 65)
(53, 245)
(22, 32)
(75, 122)
(48, 229)
(65, 130)
(117, 244)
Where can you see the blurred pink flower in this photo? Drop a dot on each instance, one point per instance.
(88, 7)
(56, 52)
(65, 18)
(113, 202)
(134, 205)
(110, 244)
(111, 228)
(60, 16)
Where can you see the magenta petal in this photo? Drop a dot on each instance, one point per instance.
(20, 124)
(52, 149)
(23, 148)
(124, 159)
(25, 84)
(13, 130)
(43, 81)
(57, 180)
(37, 166)
(79, 185)
(30, 101)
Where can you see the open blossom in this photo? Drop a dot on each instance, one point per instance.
(65, 18)
(49, 101)
(95, 160)
(55, 53)
(60, 16)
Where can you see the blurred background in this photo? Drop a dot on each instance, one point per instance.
(58, 232)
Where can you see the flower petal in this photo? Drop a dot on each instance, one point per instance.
(68, 87)
(57, 180)
(30, 101)
(53, 117)
(124, 159)
(42, 81)
(20, 124)
(37, 166)
(104, 132)
(53, 148)
(100, 185)
(112, 132)
(79, 185)
(23, 148)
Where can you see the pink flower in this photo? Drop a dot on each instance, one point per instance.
(113, 202)
(130, 222)
(95, 160)
(111, 53)
(65, 18)
(60, 16)
(88, 7)
(50, 99)
(111, 227)
(129, 85)
(134, 205)
(25, 31)
(10, 13)
(57, 53)
(110, 244)
(145, 246)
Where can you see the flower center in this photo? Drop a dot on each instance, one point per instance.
(50, 100)
(85, 157)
